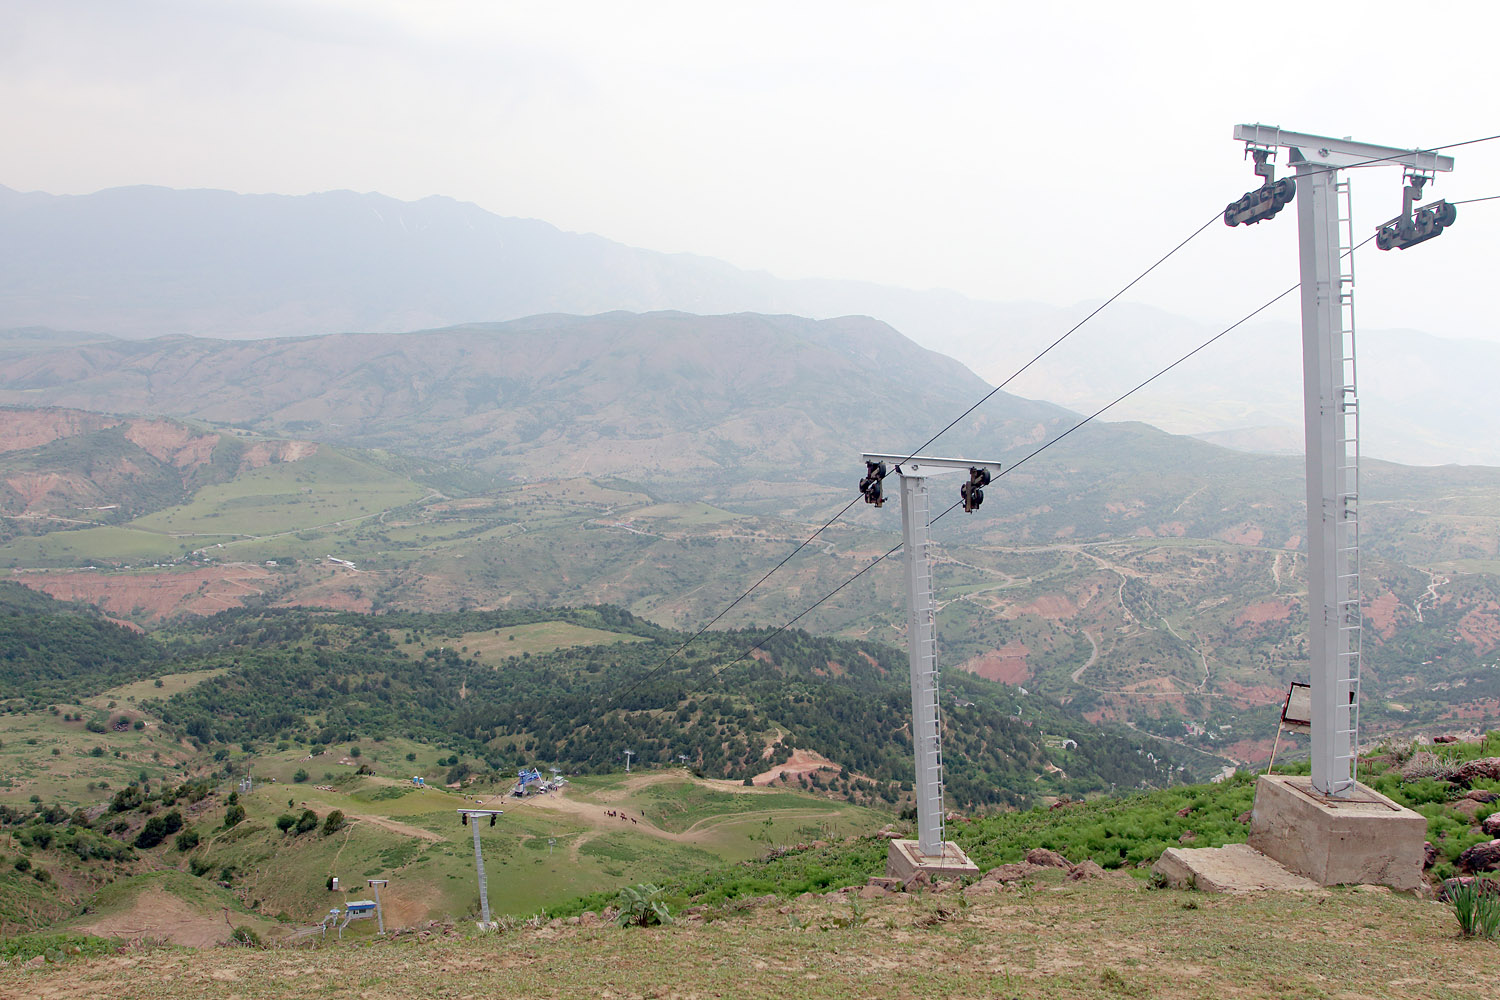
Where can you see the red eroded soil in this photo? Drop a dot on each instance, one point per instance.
(1480, 628)
(40, 489)
(266, 452)
(1007, 664)
(1245, 534)
(1382, 614)
(1251, 695)
(154, 596)
(23, 429)
(171, 442)
(801, 762)
(1053, 606)
(1247, 751)
(341, 590)
(1265, 611)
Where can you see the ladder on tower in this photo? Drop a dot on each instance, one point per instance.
(926, 708)
(1346, 510)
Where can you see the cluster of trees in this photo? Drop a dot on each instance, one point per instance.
(53, 651)
(335, 678)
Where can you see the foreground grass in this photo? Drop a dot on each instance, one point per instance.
(1102, 939)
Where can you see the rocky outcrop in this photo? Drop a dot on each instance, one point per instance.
(1486, 768)
(1481, 858)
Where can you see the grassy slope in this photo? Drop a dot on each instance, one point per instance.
(1058, 940)
(428, 854)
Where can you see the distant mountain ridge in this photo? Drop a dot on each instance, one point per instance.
(663, 396)
(142, 262)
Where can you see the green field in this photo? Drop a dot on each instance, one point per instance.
(324, 489)
(121, 544)
(131, 695)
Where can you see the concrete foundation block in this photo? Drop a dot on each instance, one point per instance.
(904, 859)
(1360, 839)
(1231, 868)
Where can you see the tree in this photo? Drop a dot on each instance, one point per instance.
(158, 828)
(285, 821)
(333, 821)
(306, 821)
(233, 815)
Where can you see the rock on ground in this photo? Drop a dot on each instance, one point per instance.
(1044, 858)
(1481, 858)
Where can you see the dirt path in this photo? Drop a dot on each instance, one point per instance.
(596, 813)
(1430, 598)
(396, 826)
(1093, 657)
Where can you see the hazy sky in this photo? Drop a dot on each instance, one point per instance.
(1041, 151)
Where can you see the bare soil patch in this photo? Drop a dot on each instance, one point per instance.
(154, 596)
(801, 762)
(1265, 611)
(1007, 664)
(165, 917)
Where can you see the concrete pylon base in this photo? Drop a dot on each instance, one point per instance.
(1360, 839)
(904, 858)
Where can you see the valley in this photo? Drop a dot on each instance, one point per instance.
(246, 591)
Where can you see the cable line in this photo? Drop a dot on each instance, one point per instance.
(987, 396)
(1141, 385)
(666, 660)
(614, 699)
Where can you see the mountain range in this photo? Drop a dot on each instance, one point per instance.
(143, 262)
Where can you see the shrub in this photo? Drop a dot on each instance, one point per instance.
(233, 815)
(334, 821)
(126, 799)
(187, 840)
(306, 821)
(640, 906)
(300, 776)
(1476, 906)
(245, 936)
(157, 829)
(23, 865)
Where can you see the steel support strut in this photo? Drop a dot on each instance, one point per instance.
(1331, 426)
(484, 892)
(921, 637)
(1324, 426)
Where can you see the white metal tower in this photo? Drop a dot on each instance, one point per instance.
(921, 637)
(472, 818)
(1331, 419)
